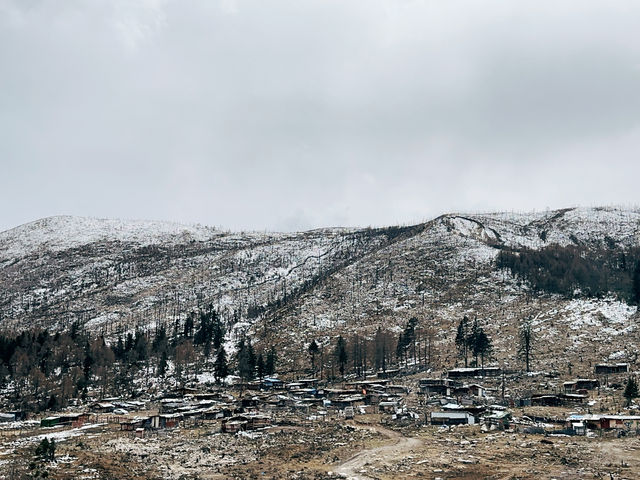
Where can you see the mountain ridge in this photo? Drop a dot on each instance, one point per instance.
(283, 288)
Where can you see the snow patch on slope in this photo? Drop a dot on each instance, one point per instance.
(566, 227)
(611, 316)
(64, 232)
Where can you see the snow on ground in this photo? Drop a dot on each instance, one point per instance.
(589, 225)
(58, 435)
(607, 313)
(63, 435)
(470, 228)
(64, 232)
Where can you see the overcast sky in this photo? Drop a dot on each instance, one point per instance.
(295, 114)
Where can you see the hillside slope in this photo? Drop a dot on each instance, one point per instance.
(286, 288)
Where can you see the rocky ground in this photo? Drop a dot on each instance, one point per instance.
(360, 450)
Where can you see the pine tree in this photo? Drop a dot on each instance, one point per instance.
(473, 341)
(220, 366)
(51, 454)
(631, 390)
(42, 450)
(162, 364)
(128, 345)
(218, 332)
(118, 350)
(270, 364)
(313, 350)
(462, 341)
(246, 359)
(189, 325)
(409, 336)
(636, 284)
(260, 367)
(159, 343)
(141, 346)
(341, 354)
(87, 364)
(47, 449)
(479, 343)
(379, 350)
(483, 346)
(400, 348)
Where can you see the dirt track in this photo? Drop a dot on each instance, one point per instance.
(355, 467)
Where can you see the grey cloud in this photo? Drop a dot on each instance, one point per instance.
(287, 115)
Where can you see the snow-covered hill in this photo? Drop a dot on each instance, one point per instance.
(286, 288)
(65, 232)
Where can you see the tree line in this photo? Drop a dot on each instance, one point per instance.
(45, 371)
(567, 270)
(358, 355)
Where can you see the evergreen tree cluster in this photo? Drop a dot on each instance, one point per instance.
(358, 354)
(46, 449)
(526, 343)
(472, 339)
(406, 340)
(563, 270)
(630, 390)
(250, 365)
(46, 371)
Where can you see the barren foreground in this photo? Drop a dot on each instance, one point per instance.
(363, 450)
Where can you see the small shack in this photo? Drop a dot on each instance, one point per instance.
(168, 420)
(452, 418)
(103, 407)
(498, 419)
(581, 384)
(438, 386)
(133, 424)
(15, 416)
(474, 372)
(235, 424)
(272, 383)
(555, 400)
(50, 422)
(608, 368)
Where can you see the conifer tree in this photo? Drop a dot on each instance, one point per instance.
(462, 341)
(479, 343)
(400, 348)
(313, 350)
(380, 350)
(246, 359)
(270, 364)
(341, 354)
(51, 454)
(260, 367)
(217, 332)
(221, 367)
(631, 390)
(162, 364)
(636, 284)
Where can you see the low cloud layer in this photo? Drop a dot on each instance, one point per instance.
(287, 115)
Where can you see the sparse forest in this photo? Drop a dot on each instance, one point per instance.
(46, 371)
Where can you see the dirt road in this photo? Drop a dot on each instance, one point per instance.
(356, 467)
